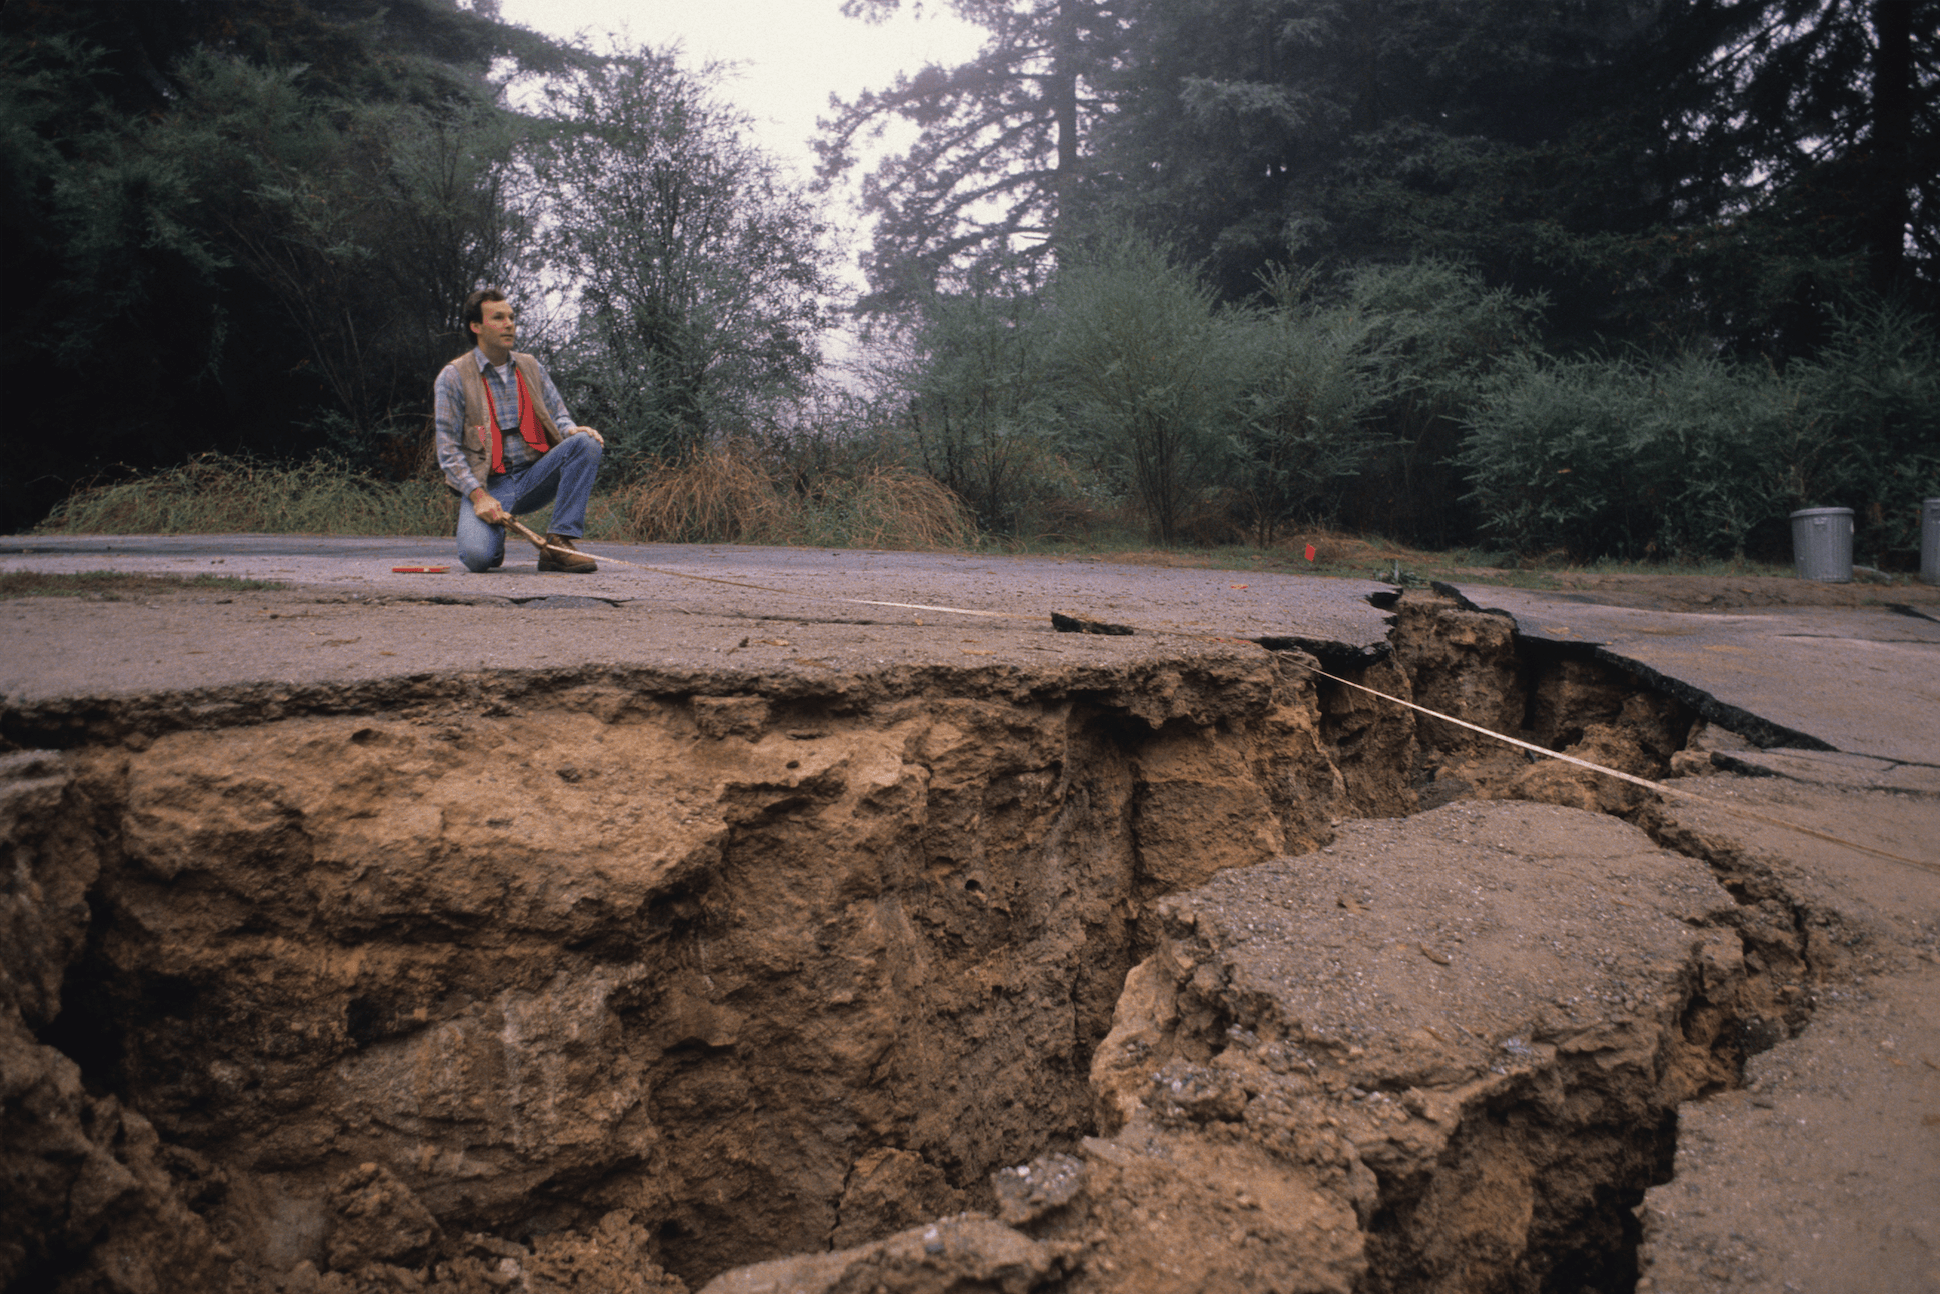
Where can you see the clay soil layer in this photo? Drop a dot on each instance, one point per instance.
(1123, 974)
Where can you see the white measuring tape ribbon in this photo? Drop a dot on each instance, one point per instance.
(1659, 787)
(1544, 751)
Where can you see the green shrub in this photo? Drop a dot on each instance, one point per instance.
(1315, 377)
(1700, 458)
(1622, 458)
(1440, 330)
(978, 409)
(1150, 373)
(1868, 434)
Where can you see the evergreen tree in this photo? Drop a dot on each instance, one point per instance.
(996, 175)
(220, 212)
(1810, 136)
(1660, 169)
(1337, 132)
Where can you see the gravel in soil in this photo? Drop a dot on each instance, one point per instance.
(1822, 1172)
(1442, 1053)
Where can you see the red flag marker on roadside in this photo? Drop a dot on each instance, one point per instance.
(1310, 552)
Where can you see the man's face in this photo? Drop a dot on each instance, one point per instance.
(499, 329)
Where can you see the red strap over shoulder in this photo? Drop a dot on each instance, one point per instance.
(528, 418)
(529, 429)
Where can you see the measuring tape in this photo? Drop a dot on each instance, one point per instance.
(1093, 626)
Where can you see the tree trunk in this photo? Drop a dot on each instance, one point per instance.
(1891, 200)
(1066, 59)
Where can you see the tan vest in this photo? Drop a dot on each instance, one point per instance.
(476, 443)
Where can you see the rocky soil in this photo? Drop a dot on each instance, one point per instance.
(1199, 975)
(1821, 1171)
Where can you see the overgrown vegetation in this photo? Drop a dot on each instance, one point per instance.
(1697, 457)
(1412, 400)
(1629, 279)
(216, 494)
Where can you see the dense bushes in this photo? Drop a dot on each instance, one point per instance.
(1442, 331)
(973, 404)
(1317, 375)
(1695, 457)
(1408, 399)
(1625, 458)
(1149, 372)
(1870, 435)
(1125, 394)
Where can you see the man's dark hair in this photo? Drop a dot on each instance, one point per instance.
(475, 307)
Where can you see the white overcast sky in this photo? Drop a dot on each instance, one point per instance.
(792, 53)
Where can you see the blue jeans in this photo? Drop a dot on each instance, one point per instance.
(563, 476)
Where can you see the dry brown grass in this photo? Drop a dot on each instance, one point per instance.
(719, 497)
(729, 495)
(217, 494)
(888, 507)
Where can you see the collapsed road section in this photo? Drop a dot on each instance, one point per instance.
(621, 978)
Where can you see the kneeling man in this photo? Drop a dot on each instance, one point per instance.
(506, 444)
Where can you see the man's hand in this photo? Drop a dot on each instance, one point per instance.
(597, 438)
(488, 509)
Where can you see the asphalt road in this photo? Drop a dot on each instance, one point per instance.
(1865, 683)
(809, 582)
(347, 617)
(1860, 682)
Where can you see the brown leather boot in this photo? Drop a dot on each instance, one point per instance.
(572, 561)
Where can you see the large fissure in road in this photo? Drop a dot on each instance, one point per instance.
(619, 980)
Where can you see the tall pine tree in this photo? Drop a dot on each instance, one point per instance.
(998, 170)
(1659, 168)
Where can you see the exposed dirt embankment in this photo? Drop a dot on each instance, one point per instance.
(550, 982)
(1442, 1054)
(768, 971)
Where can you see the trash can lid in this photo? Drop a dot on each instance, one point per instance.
(1823, 512)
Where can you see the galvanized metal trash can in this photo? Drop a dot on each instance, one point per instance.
(1930, 541)
(1822, 545)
